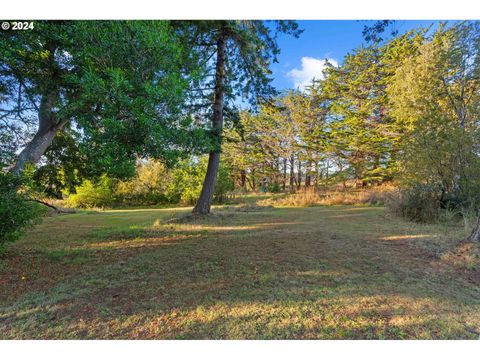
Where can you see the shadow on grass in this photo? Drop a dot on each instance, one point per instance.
(281, 273)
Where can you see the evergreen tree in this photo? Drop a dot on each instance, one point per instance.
(243, 51)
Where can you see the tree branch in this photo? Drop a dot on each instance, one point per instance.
(48, 205)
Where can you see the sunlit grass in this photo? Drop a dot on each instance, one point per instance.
(328, 272)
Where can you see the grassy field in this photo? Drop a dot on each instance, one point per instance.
(326, 272)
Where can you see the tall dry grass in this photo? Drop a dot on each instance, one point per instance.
(373, 196)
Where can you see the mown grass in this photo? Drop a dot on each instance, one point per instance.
(246, 272)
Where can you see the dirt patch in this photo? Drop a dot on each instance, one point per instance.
(199, 218)
(253, 208)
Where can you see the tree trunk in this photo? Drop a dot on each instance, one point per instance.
(277, 170)
(254, 184)
(308, 171)
(47, 128)
(206, 196)
(292, 172)
(48, 125)
(243, 180)
(284, 185)
(299, 174)
(252, 187)
(475, 235)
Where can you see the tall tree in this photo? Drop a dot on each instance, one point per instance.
(359, 122)
(434, 98)
(243, 51)
(121, 83)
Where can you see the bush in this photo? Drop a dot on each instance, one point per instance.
(186, 182)
(420, 203)
(153, 184)
(93, 194)
(17, 213)
(274, 187)
(147, 187)
(224, 182)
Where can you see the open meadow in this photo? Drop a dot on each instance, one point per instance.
(244, 272)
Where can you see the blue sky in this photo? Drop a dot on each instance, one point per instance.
(321, 39)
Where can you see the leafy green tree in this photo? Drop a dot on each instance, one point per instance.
(119, 86)
(253, 147)
(122, 83)
(307, 114)
(147, 187)
(94, 193)
(186, 183)
(435, 95)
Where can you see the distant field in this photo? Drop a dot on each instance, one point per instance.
(325, 272)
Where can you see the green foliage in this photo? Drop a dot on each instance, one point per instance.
(63, 168)
(251, 48)
(434, 96)
(442, 154)
(91, 194)
(17, 213)
(148, 187)
(137, 101)
(224, 182)
(187, 180)
(152, 184)
(361, 133)
(121, 84)
(274, 187)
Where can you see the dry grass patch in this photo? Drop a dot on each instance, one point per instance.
(372, 196)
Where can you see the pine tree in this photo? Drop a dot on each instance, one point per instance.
(243, 51)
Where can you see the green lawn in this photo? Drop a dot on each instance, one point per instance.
(327, 272)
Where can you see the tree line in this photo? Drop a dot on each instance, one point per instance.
(404, 110)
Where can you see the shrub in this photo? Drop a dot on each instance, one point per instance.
(147, 187)
(153, 184)
(93, 194)
(224, 182)
(17, 213)
(419, 203)
(186, 182)
(274, 187)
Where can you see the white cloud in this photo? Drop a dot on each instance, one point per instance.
(311, 68)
